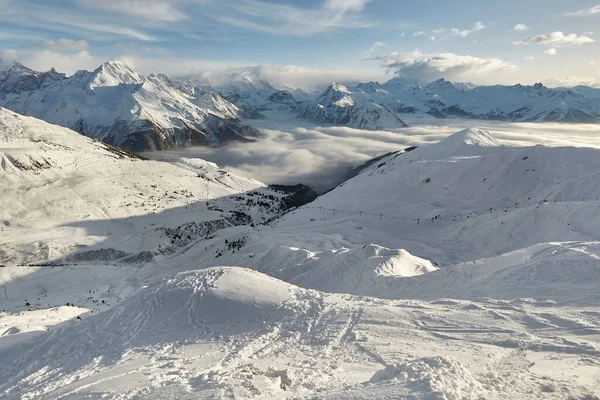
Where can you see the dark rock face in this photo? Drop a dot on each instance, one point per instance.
(296, 195)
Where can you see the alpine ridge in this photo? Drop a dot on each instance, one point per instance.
(117, 105)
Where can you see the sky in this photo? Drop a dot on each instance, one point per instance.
(311, 42)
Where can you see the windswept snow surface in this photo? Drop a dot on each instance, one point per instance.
(230, 332)
(465, 269)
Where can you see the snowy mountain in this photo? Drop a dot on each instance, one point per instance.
(518, 103)
(117, 105)
(16, 78)
(340, 106)
(258, 96)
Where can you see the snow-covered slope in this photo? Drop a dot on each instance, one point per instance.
(466, 269)
(339, 106)
(464, 198)
(233, 332)
(121, 107)
(63, 193)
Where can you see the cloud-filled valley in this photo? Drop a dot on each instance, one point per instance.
(292, 151)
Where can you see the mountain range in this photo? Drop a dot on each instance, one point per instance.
(378, 106)
(117, 105)
(126, 109)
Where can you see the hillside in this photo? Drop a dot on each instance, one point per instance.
(64, 192)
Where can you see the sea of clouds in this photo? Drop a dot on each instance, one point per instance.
(295, 151)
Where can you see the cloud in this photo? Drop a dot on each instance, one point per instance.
(346, 5)
(592, 62)
(521, 28)
(448, 65)
(585, 12)
(530, 58)
(551, 51)
(556, 39)
(63, 45)
(49, 16)
(419, 33)
(373, 49)
(153, 10)
(292, 76)
(45, 59)
(573, 81)
(295, 151)
(479, 26)
(285, 19)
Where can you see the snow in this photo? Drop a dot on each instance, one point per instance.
(463, 269)
(234, 331)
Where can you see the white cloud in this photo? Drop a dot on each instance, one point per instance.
(592, 62)
(297, 151)
(551, 51)
(49, 16)
(45, 59)
(419, 33)
(63, 44)
(432, 38)
(292, 76)
(439, 31)
(479, 26)
(373, 48)
(556, 39)
(346, 5)
(285, 19)
(521, 28)
(402, 34)
(154, 10)
(448, 65)
(572, 81)
(530, 58)
(585, 12)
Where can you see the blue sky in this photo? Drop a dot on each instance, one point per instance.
(313, 40)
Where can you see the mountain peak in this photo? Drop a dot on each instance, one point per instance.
(6, 65)
(474, 137)
(338, 87)
(441, 84)
(114, 73)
